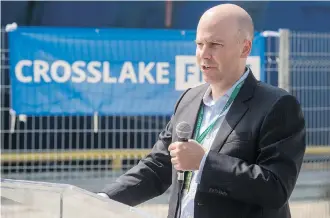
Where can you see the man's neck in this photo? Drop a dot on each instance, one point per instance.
(219, 89)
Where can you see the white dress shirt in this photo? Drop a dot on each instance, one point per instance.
(211, 112)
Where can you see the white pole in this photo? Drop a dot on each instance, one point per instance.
(284, 60)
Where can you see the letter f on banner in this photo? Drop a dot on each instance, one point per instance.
(187, 73)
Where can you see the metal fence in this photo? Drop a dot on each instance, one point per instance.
(69, 150)
(299, 63)
(310, 82)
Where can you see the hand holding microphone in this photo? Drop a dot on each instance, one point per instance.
(186, 154)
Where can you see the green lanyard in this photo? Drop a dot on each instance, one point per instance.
(200, 137)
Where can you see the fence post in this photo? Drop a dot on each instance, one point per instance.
(284, 61)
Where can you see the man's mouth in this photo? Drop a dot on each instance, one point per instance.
(204, 67)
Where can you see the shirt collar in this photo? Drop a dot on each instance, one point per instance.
(207, 98)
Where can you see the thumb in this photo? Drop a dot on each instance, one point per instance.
(193, 141)
(197, 143)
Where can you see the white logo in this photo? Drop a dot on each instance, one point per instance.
(61, 71)
(187, 72)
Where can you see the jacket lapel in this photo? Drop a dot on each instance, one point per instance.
(235, 113)
(191, 108)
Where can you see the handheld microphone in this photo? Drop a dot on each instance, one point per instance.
(183, 130)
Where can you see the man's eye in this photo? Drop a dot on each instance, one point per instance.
(217, 44)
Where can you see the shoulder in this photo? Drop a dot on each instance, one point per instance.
(272, 99)
(271, 95)
(198, 89)
(264, 90)
(189, 94)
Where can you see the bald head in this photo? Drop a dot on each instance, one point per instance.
(235, 17)
(224, 40)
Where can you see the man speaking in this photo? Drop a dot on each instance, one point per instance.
(246, 139)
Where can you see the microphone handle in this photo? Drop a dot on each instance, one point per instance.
(180, 176)
(180, 172)
(180, 181)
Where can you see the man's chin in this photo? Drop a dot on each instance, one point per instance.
(211, 80)
(208, 79)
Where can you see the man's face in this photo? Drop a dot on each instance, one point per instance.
(218, 50)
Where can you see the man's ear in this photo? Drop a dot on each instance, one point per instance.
(246, 50)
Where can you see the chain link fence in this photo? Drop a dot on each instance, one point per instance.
(70, 150)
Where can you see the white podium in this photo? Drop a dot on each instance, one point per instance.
(27, 199)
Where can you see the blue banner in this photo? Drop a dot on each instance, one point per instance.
(73, 71)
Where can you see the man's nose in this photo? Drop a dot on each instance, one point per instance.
(205, 53)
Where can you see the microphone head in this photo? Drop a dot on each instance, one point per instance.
(183, 130)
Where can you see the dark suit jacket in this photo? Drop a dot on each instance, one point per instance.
(252, 166)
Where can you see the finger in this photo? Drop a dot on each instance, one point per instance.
(177, 166)
(173, 153)
(172, 147)
(174, 161)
